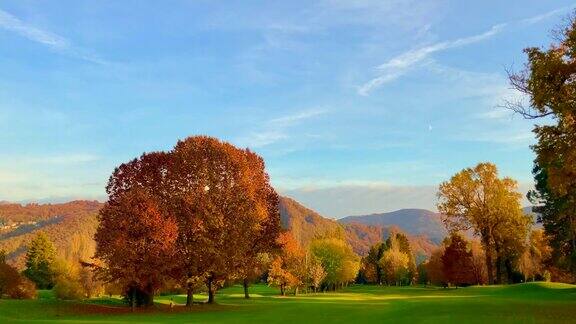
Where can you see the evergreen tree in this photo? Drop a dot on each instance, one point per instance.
(40, 259)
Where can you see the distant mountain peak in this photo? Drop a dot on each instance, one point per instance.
(414, 221)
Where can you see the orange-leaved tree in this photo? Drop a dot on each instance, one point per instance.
(288, 269)
(223, 204)
(136, 239)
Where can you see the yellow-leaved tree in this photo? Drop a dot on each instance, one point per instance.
(477, 199)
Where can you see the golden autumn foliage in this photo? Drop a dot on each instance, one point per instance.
(288, 268)
(477, 199)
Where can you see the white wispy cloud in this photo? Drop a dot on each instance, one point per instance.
(544, 16)
(53, 41)
(402, 63)
(276, 129)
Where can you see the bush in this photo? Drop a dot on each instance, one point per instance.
(14, 285)
(68, 290)
(25, 289)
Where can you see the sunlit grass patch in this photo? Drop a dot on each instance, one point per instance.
(533, 302)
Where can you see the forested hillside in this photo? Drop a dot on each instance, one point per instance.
(306, 224)
(61, 222)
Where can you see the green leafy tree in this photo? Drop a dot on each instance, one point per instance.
(338, 261)
(40, 259)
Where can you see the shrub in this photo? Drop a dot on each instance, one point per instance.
(14, 285)
(25, 289)
(68, 289)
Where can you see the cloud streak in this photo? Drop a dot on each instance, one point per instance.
(399, 65)
(403, 63)
(544, 16)
(53, 41)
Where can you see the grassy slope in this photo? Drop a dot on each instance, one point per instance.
(532, 303)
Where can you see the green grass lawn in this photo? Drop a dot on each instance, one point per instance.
(526, 303)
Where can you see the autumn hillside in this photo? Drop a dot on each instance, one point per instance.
(62, 222)
(306, 224)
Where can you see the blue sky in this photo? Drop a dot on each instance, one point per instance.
(357, 106)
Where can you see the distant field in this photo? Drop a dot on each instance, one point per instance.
(532, 303)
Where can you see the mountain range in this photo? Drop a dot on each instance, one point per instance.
(61, 222)
(413, 221)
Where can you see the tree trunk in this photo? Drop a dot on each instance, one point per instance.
(189, 295)
(133, 300)
(246, 294)
(498, 270)
(489, 264)
(296, 291)
(509, 270)
(498, 265)
(210, 289)
(149, 296)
